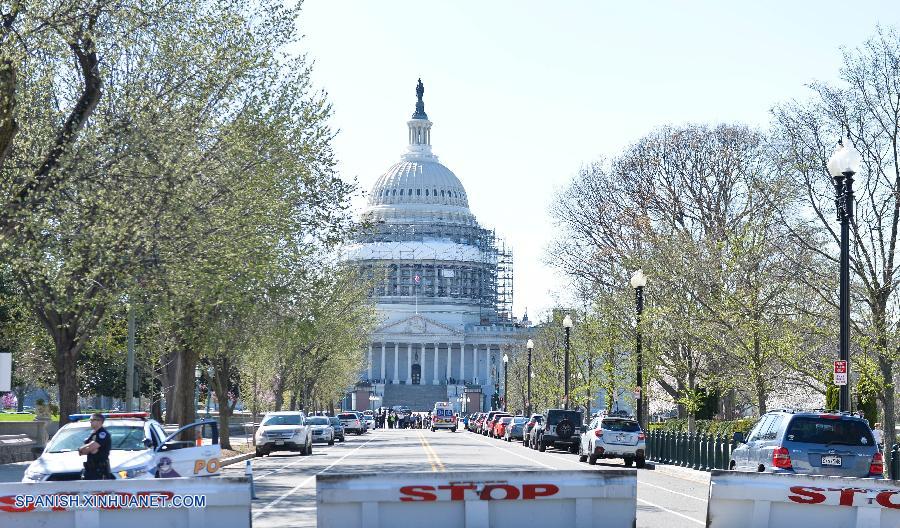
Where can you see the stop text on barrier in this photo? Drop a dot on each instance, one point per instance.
(844, 496)
(495, 491)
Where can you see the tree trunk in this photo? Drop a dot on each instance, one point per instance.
(886, 365)
(293, 400)
(183, 404)
(167, 373)
(220, 383)
(278, 391)
(66, 379)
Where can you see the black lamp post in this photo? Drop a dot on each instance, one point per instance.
(530, 346)
(842, 165)
(505, 382)
(638, 281)
(567, 323)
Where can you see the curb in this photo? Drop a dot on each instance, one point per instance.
(236, 459)
(680, 472)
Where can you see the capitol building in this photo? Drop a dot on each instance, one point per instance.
(442, 284)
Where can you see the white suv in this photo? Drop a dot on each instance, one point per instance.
(610, 437)
(283, 430)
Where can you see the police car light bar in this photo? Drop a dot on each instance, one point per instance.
(76, 417)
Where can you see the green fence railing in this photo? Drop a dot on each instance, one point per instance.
(703, 452)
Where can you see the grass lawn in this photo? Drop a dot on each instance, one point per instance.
(10, 417)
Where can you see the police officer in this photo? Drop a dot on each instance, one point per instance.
(96, 447)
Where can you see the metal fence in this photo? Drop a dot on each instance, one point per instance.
(702, 452)
(707, 452)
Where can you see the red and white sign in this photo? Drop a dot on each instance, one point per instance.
(840, 372)
(502, 499)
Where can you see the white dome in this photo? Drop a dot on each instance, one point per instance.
(419, 181)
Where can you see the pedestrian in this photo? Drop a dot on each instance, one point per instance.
(96, 447)
(878, 432)
(391, 421)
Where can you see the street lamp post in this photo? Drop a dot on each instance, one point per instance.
(530, 346)
(842, 165)
(567, 323)
(638, 281)
(505, 382)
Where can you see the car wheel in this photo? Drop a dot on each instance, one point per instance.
(342, 439)
(581, 456)
(309, 448)
(453, 429)
(573, 449)
(640, 462)
(331, 442)
(592, 459)
(260, 452)
(628, 461)
(541, 445)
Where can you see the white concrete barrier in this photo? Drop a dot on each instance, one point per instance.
(502, 499)
(226, 503)
(758, 500)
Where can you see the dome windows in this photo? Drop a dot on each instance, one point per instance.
(401, 192)
(418, 192)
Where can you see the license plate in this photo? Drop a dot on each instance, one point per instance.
(831, 460)
(279, 442)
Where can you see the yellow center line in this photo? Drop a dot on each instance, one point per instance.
(433, 458)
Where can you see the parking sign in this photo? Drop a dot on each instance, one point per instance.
(840, 372)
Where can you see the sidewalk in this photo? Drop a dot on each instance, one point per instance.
(695, 475)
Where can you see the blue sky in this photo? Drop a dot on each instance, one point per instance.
(522, 94)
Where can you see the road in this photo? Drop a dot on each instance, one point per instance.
(285, 482)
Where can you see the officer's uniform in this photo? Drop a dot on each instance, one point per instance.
(97, 465)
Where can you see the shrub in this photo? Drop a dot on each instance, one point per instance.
(713, 427)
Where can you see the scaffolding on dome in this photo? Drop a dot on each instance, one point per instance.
(486, 282)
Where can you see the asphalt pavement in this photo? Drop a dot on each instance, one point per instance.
(285, 482)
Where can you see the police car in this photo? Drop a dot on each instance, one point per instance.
(140, 450)
(443, 417)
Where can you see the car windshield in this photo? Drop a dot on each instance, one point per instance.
(283, 419)
(505, 420)
(124, 438)
(555, 417)
(518, 421)
(626, 426)
(817, 430)
(539, 419)
(317, 420)
(347, 416)
(334, 420)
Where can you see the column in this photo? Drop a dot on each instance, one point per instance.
(434, 379)
(382, 361)
(371, 365)
(449, 357)
(409, 363)
(396, 363)
(462, 361)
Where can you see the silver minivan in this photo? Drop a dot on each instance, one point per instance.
(809, 442)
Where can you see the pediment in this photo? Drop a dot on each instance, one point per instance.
(415, 325)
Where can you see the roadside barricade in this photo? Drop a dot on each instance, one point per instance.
(102, 503)
(502, 499)
(758, 500)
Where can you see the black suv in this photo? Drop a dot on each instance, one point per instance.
(562, 429)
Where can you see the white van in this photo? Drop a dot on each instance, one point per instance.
(443, 417)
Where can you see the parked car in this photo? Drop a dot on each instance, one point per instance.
(515, 428)
(362, 420)
(352, 422)
(562, 429)
(140, 450)
(473, 421)
(493, 416)
(500, 426)
(338, 428)
(479, 423)
(529, 427)
(283, 431)
(536, 433)
(809, 442)
(370, 419)
(321, 429)
(612, 437)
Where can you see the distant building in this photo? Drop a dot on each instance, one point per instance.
(443, 288)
